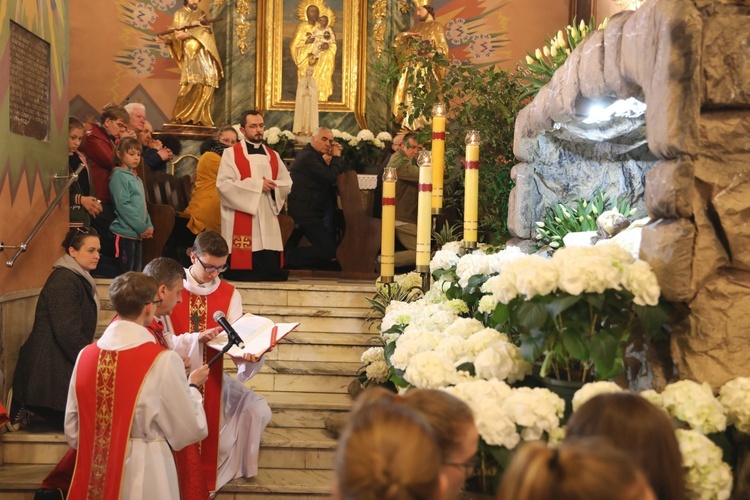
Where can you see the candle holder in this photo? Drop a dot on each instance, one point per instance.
(438, 109)
(471, 190)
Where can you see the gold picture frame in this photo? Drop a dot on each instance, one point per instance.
(277, 75)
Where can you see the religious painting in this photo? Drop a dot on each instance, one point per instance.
(327, 36)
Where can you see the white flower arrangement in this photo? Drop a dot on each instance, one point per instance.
(430, 370)
(735, 398)
(707, 476)
(588, 391)
(271, 135)
(385, 137)
(501, 360)
(694, 404)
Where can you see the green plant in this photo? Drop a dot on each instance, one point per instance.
(581, 215)
(405, 288)
(447, 233)
(542, 64)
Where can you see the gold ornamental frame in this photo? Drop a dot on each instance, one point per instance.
(350, 27)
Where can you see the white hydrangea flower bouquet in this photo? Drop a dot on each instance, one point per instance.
(575, 311)
(280, 141)
(363, 149)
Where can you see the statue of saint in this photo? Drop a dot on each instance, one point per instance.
(431, 39)
(193, 46)
(306, 104)
(314, 36)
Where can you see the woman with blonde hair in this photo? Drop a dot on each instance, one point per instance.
(577, 470)
(387, 452)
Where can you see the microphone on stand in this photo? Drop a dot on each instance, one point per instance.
(234, 337)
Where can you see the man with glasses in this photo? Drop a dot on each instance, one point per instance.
(312, 201)
(407, 192)
(253, 184)
(129, 404)
(236, 415)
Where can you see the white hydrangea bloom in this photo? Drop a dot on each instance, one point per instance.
(708, 477)
(430, 370)
(593, 274)
(457, 306)
(464, 327)
(695, 404)
(640, 280)
(470, 265)
(535, 275)
(556, 437)
(592, 389)
(452, 246)
(398, 313)
(365, 135)
(501, 360)
(653, 397)
(495, 426)
(444, 259)
(503, 286)
(735, 397)
(436, 293)
(288, 134)
(378, 143)
(482, 339)
(410, 344)
(454, 347)
(536, 410)
(408, 280)
(385, 137)
(487, 304)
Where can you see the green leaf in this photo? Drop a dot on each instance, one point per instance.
(575, 344)
(653, 319)
(500, 315)
(531, 315)
(388, 351)
(595, 299)
(475, 283)
(561, 304)
(604, 351)
(467, 367)
(532, 345)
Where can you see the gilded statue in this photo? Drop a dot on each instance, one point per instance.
(431, 37)
(192, 45)
(315, 37)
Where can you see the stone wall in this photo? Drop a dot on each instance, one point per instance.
(688, 61)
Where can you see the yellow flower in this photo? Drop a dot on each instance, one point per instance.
(529, 60)
(553, 51)
(538, 54)
(546, 51)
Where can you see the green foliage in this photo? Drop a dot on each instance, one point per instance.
(579, 337)
(485, 99)
(447, 233)
(385, 294)
(581, 215)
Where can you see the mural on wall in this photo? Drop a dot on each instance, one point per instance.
(477, 32)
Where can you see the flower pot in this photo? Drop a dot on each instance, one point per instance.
(565, 389)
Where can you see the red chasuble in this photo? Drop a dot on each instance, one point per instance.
(242, 231)
(107, 387)
(195, 314)
(187, 460)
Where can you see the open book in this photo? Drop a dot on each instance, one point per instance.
(258, 333)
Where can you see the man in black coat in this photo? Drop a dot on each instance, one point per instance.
(312, 201)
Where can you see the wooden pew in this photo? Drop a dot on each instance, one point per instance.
(360, 245)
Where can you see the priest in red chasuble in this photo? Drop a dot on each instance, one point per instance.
(129, 404)
(253, 184)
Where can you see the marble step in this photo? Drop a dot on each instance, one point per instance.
(306, 293)
(294, 448)
(19, 482)
(310, 319)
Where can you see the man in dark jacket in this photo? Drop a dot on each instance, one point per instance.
(313, 199)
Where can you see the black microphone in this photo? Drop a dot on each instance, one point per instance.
(234, 338)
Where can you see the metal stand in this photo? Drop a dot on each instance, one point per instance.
(221, 353)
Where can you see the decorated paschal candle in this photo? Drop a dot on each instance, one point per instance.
(471, 190)
(424, 212)
(388, 226)
(438, 156)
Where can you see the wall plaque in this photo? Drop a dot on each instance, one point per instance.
(29, 83)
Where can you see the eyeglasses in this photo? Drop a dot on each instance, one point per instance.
(469, 466)
(155, 302)
(212, 269)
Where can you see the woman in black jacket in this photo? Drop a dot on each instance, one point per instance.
(64, 323)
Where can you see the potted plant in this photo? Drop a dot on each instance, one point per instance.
(575, 311)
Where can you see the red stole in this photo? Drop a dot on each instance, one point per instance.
(107, 387)
(242, 231)
(195, 314)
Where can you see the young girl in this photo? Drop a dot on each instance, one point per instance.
(83, 203)
(132, 222)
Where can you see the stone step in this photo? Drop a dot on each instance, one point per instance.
(293, 448)
(19, 482)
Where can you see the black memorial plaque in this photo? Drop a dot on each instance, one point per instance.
(29, 83)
